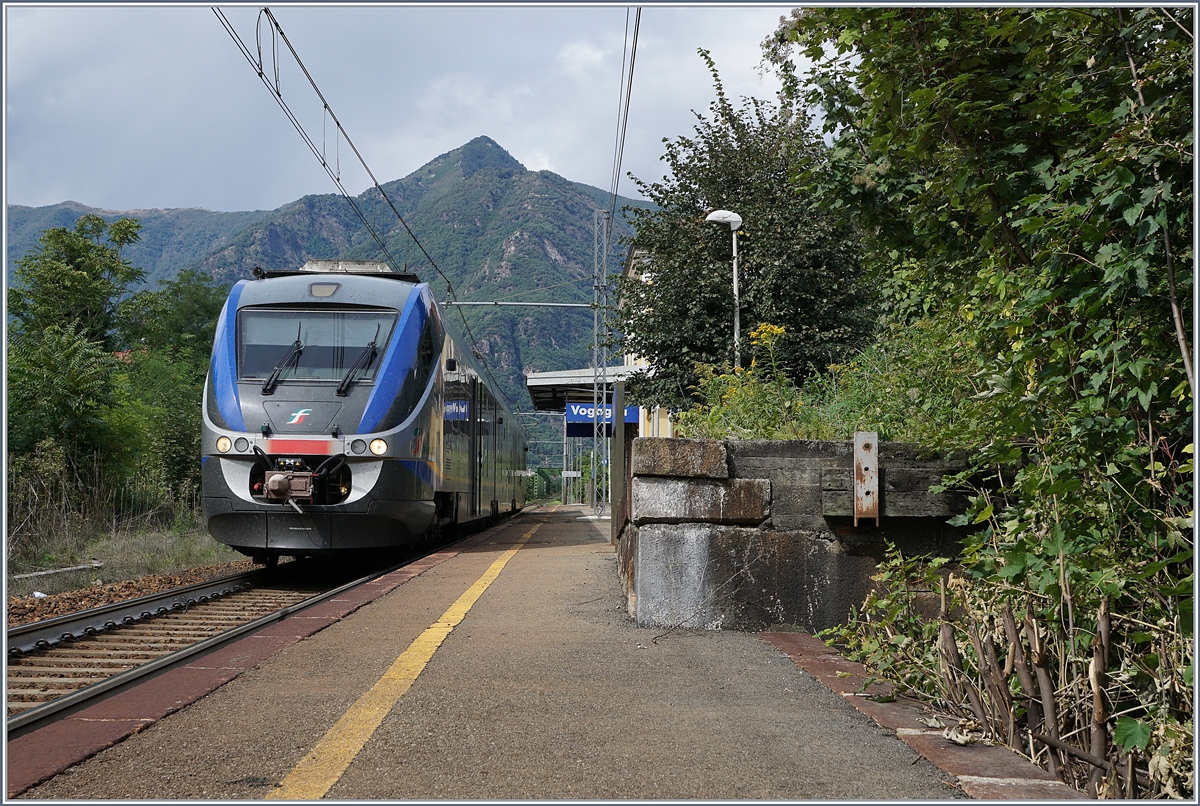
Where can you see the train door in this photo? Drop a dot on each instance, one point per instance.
(490, 467)
(503, 474)
(476, 460)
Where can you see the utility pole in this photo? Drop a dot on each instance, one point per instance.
(601, 225)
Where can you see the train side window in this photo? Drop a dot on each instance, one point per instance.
(429, 348)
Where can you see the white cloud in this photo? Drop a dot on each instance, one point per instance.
(128, 107)
(536, 160)
(580, 58)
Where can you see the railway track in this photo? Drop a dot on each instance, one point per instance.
(59, 665)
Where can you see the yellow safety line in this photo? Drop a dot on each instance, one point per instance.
(324, 765)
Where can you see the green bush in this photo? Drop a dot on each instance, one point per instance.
(910, 385)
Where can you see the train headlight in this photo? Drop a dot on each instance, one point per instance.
(241, 444)
(223, 444)
(358, 446)
(378, 447)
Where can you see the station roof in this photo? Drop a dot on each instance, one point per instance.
(552, 391)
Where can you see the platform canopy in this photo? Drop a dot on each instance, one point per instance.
(552, 391)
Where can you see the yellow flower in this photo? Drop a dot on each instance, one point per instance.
(766, 334)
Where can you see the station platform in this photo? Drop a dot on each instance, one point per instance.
(511, 671)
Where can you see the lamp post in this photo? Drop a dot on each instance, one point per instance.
(734, 221)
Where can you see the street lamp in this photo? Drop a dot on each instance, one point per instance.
(734, 221)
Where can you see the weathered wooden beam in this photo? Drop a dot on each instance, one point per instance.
(840, 503)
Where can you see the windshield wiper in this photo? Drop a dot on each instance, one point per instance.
(293, 353)
(362, 362)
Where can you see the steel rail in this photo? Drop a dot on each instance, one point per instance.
(38, 717)
(73, 626)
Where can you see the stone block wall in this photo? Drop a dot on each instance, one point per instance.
(750, 534)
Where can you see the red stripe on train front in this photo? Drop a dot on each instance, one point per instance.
(306, 447)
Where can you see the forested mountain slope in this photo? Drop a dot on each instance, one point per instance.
(170, 239)
(495, 229)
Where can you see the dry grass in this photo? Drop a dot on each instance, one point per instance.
(125, 554)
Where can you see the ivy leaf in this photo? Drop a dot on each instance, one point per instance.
(1130, 733)
(1010, 571)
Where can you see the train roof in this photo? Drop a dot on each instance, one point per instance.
(373, 268)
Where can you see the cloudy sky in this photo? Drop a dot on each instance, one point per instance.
(142, 107)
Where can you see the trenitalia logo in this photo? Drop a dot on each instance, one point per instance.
(298, 416)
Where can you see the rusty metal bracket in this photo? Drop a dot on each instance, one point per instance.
(866, 476)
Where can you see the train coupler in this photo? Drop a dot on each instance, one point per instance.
(289, 485)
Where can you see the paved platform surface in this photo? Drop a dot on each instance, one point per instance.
(543, 689)
(985, 772)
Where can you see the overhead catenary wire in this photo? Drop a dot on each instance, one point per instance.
(335, 175)
(537, 290)
(622, 116)
(612, 179)
(276, 93)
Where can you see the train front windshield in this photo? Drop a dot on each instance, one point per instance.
(320, 345)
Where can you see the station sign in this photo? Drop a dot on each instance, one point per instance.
(586, 413)
(580, 422)
(457, 410)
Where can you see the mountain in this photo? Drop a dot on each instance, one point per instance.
(496, 230)
(170, 239)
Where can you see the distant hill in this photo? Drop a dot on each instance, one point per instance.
(497, 230)
(170, 239)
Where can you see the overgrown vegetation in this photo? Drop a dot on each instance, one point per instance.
(104, 393)
(798, 264)
(907, 386)
(1022, 179)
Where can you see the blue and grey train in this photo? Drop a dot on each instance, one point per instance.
(343, 412)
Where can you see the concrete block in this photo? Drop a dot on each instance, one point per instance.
(799, 577)
(795, 506)
(778, 453)
(913, 479)
(789, 471)
(732, 501)
(680, 458)
(672, 584)
(627, 566)
(706, 576)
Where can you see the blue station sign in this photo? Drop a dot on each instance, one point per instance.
(581, 417)
(585, 413)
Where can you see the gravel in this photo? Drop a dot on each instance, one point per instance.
(27, 609)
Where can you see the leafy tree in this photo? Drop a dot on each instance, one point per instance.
(59, 385)
(180, 317)
(1026, 174)
(64, 305)
(170, 332)
(798, 265)
(77, 276)
(115, 419)
(159, 412)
